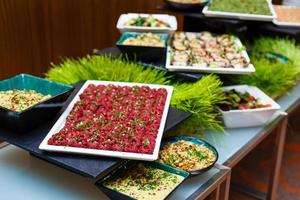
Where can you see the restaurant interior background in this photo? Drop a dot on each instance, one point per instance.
(34, 33)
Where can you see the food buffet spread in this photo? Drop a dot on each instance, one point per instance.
(122, 108)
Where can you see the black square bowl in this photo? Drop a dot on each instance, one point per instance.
(122, 169)
(38, 113)
(143, 53)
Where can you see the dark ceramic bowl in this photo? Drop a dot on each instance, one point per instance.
(38, 113)
(195, 141)
(143, 53)
(115, 195)
(186, 6)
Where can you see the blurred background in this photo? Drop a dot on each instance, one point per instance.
(34, 33)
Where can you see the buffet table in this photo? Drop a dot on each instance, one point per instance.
(33, 179)
(38, 178)
(42, 180)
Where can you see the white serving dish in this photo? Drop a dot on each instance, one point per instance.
(167, 18)
(242, 16)
(220, 70)
(286, 24)
(125, 155)
(251, 117)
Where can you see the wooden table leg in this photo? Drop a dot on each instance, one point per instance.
(277, 159)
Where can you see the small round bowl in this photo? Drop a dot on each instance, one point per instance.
(194, 141)
(186, 6)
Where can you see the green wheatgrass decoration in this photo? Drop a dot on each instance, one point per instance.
(272, 76)
(284, 46)
(199, 98)
(260, 7)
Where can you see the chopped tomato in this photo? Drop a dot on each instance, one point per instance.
(117, 118)
(244, 106)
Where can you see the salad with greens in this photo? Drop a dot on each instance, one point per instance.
(147, 22)
(241, 101)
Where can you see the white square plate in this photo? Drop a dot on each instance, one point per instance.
(242, 16)
(166, 18)
(219, 70)
(125, 155)
(249, 117)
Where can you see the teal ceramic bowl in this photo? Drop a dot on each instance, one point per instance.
(143, 53)
(197, 142)
(38, 113)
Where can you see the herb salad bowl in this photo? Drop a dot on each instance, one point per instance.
(194, 141)
(38, 113)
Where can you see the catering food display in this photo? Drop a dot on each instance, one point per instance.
(126, 120)
(112, 119)
(287, 16)
(140, 22)
(260, 10)
(145, 182)
(145, 39)
(247, 106)
(19, 100)
(205, 52)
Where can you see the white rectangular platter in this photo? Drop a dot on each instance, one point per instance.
(125, 155)
(166, 18)
(242, 16)
(220, 70)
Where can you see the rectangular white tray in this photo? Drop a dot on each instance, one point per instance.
(249, 69)
(286, 24)
(125, 155)
(166, 18)
(242, 16)
(250, 117)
